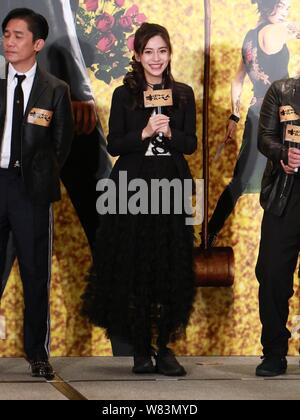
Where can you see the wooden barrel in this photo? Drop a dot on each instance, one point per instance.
(214, 267)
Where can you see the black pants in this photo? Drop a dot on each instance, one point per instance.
(88, 162)
(277, 260)
(31, 225)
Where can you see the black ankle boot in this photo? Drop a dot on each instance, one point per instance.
(143, 364)
(272, 366)
(167, 364)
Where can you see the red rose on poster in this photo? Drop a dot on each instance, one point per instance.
(125, 22)
(105, 22)
(119, 3)
(140, 18)
(109, 26)
(132, 11)
(106, 42)
(91, 5)
(130, 43)
(137, 17)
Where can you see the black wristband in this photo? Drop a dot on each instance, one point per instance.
(234, 118)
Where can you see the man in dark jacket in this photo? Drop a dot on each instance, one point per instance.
(88, 160)
(278, 139)
(36, 130)
(62, 56)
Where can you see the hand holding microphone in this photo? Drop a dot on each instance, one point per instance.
(292, 140)
(293, 162)
(294, 158)
(158, 122)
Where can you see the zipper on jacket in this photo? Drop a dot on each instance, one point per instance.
(284, 185)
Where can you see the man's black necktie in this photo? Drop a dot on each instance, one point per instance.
(17, 120)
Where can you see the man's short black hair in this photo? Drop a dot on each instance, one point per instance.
(37, 24)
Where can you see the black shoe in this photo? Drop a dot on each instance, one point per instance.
(272, 366)
(143, 364)
(41, 369)
(167, 364)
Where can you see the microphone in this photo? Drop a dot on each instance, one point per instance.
(292, 138)
(159, 98)
(158, 108)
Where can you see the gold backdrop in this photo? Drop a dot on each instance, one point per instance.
(225, 321)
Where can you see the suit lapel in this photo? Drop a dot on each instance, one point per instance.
(39, 86)
(2, 96)
(3, 86)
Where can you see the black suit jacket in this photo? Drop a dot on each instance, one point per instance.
(126, 126)
(44, 147)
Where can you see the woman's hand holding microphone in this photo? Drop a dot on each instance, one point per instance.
(157, 124)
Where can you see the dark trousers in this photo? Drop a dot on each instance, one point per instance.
(83, 168)
(31, 226)
(277, 260)
(9, 257)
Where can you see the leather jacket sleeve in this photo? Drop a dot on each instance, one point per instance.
(276, 184)
(63, 125)
(270, 141)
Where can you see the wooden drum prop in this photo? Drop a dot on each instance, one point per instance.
(214, 267)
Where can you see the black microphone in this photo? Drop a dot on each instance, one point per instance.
(158, 108)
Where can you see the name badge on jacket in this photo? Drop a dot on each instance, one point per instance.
(287, 113)
(41, 117)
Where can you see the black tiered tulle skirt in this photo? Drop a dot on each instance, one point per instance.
(143, 281)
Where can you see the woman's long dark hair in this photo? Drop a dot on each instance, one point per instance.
(135, 79)
(265, 7)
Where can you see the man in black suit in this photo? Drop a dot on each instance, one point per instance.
(88, 160)
(36, 130)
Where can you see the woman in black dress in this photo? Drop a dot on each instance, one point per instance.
(142, 288)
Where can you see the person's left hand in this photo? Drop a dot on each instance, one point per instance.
(85, 116)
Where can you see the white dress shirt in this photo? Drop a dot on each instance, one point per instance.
(11, 85)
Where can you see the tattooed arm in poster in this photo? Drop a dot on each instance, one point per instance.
(236, 93)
